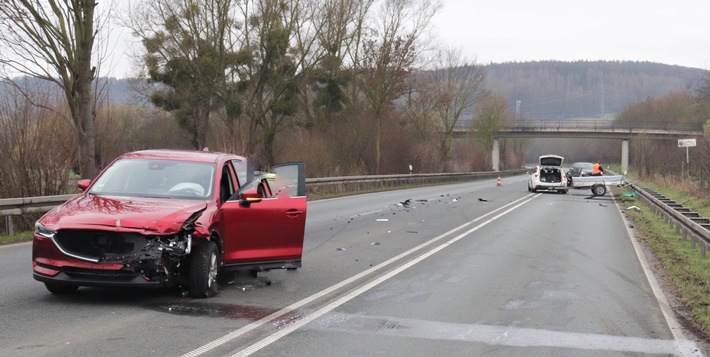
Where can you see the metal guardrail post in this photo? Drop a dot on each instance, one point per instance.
(675, 215)
(9, 229)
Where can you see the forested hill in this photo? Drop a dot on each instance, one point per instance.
(560, 90)
(550, 90)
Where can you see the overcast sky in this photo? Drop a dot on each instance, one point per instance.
(675, 32)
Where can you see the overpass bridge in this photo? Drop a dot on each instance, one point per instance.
(589, 129)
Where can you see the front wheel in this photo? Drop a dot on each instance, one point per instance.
(598, 190)
(204, 265)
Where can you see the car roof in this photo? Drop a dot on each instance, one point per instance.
(181, 155)
(582, 164)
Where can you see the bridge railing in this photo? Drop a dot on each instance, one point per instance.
(602, 125)
(594, 124)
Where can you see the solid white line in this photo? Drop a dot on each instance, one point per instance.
(494, 335)
(258, 323)
(355, 293)
(366, 213)
(685, 348)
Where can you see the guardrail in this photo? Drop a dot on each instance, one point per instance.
(683, 219)
(10, 207)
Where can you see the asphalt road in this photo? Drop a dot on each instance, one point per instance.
(514, 274)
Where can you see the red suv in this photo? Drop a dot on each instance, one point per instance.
(169, 217)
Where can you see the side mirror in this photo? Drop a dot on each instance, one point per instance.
(250, 196)
(83, 184)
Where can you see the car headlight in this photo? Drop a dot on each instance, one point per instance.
(42, 230)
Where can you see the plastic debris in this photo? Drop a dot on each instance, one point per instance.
(482, 199)
(633, 207)
(632, 194)
(383, 220)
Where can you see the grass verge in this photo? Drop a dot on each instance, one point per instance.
(15, 238)
(682, 263)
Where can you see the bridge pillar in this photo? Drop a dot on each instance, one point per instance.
(495, 155)
(624, 156)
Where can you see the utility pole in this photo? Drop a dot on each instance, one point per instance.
(517, 108)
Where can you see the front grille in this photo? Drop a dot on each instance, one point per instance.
(99, 245)
(97, 274)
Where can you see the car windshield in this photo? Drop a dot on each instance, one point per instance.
(156, 178)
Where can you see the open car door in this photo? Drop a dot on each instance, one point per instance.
(264, 222)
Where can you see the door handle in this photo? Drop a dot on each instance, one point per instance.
(293, 213)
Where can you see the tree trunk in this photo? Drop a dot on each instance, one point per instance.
(378, 139)
(269, 138)
(84, 75)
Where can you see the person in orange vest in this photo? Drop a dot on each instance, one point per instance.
(597, 169)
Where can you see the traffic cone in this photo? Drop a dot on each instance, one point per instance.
(499, 184)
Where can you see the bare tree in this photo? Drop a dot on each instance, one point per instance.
(341, 23)
(283, 39)
(190, 50)
(454, 85)
(387, 56)
(53, 40)
(32, 165)
(490, 117)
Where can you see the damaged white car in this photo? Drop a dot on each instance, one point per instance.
(548, 175)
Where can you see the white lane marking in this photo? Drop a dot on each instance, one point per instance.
(366, 213)
(668, 313)
(359, 291)
(493, 335)
(264, 320)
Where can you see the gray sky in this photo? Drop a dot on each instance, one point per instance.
(675, 32)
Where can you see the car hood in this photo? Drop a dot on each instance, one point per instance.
(551, 160)
(148, 215)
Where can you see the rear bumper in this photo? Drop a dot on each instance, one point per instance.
(551, 186)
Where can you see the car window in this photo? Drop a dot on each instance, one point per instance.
(240, 167)
(227, 186)
(156, 178)
(262, 184)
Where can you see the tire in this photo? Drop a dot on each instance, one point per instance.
(204, 266)
(598, 190)
(529, 189)
(61, 289)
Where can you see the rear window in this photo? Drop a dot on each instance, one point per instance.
(550, 161)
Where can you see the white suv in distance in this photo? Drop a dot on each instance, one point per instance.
(548, 175)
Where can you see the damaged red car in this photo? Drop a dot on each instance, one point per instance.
(172, 218)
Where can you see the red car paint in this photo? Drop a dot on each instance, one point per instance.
(142, 231)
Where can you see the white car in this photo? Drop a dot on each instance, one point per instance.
(548, 175)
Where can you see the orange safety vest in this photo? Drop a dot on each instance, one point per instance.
(596, 169)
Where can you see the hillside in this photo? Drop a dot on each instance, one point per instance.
(548, 90)
(554, 90)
